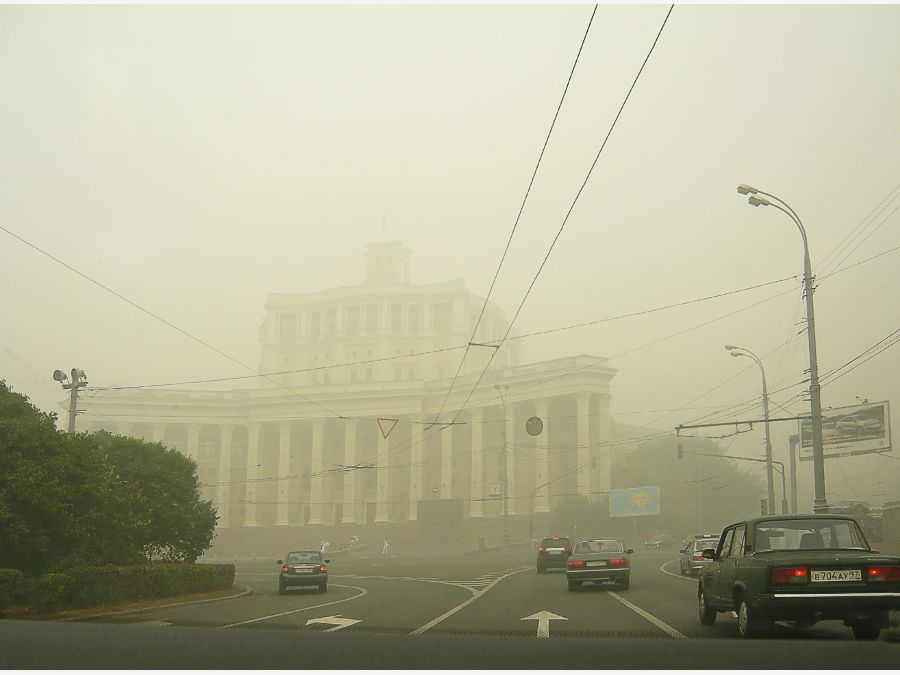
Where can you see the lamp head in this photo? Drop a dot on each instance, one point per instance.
(759, 201)
(745, 189)
(730, 347)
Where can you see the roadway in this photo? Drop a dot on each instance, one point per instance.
(491, 610)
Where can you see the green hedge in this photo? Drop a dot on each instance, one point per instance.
(94, 586)
(11, 584)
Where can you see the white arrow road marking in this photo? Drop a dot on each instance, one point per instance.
(647, 615)
(544, 618)
(337, 621)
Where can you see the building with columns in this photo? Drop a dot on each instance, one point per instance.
(315, 443)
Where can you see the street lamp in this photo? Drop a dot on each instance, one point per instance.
(502, 391)
(740, 351)
(820, 504)
(79, 380)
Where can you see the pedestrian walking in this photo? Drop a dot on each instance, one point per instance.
(384, 548)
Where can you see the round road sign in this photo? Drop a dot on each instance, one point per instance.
(534, 426)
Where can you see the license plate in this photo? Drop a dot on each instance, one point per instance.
(557, 552)
(836, 575)
(304, 570)
(597, 563)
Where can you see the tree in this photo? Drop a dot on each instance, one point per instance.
(91, 499)
(179, 525)
(60, 504)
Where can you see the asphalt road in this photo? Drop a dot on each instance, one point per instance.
(425, 611)
(493, 594)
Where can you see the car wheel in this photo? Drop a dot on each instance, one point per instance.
(750, 621)
(323, 588)
(707, 613)
(624, 584)
(574, 585)
(865, 630)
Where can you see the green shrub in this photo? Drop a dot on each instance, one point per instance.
(10, 587)
(109, 584)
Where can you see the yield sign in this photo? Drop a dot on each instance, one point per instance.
(544, 618)
(386, 425)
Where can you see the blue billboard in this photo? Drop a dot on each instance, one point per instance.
(642, 501)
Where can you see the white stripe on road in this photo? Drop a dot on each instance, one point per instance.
(475, 595)
(662, 568)
(362, 592)
(652, 619)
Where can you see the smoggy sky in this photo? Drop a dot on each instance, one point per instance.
(194, 159)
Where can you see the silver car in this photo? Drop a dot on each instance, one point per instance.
(599, 560)
(692, 561)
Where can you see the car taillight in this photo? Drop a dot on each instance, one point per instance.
(884, 573)
(789, 575)
(617, 561)
(576, 563)
(322, 568)
(541, 549)
(284, 568)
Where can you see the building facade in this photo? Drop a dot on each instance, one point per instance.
(361, 417)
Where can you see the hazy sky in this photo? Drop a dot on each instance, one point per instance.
(195, 159)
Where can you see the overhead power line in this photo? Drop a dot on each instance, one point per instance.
(518, 217)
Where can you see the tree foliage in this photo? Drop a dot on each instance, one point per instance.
(68, 500)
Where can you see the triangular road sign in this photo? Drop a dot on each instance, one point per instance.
(386, 425)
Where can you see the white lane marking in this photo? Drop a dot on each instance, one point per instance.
(652, 619)
(662, 568)
(475, 595)
(544, 618)
(362, 592)
(337, 621)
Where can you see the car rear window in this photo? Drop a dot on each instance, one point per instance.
(703, 544)
(600, 546)
(303, 557)
(562, 542)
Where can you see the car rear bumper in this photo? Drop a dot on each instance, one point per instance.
(302, 579)
(559, 560)
(842, 605)
(598, 574)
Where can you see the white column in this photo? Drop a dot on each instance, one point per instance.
(602, 476)
(447, 463)
(284, 473)
(476, 488)
(159, 433)
(254, 438)
(415, 474)
(511, 457)
(317, 479)
(583, 441)
(224, 497)
(381, 481)
(349, 516)
(542, 466)
(193, 442)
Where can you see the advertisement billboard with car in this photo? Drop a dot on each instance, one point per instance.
(850, 430)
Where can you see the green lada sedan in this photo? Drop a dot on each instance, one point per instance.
(801, 568)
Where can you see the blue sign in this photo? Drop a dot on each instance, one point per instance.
(642, 501)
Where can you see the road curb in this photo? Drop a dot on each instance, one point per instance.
(58, 617)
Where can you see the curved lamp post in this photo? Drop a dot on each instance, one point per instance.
(740, 351)
(820, 504)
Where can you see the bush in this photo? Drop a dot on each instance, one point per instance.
(10, 587)
(95, 586)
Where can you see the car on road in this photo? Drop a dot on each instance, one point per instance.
(303, 568)
(658, 542)
(802, 568)
(692, 560)
(553, 552)
(598, 561)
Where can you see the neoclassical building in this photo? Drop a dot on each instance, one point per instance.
(355, 421)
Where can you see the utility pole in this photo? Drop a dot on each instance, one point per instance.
(505, 536)
(79, 380)
(793, 440)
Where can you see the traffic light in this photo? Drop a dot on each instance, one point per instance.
(680, 451)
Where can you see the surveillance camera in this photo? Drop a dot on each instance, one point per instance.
(59, 376)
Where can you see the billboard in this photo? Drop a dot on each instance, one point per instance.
(850, 430)
(642, 501)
